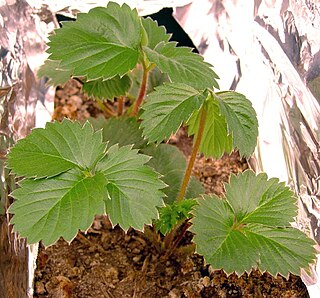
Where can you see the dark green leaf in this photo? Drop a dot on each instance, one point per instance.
(167, 108)
(171, 164)
(241, 119)
(107, 89)
(102, 43)
(182, 65)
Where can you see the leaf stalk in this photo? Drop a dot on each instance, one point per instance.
(195, 149)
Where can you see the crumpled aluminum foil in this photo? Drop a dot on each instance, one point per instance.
(269, 50)
(25, 102)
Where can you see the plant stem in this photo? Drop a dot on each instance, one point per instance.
(142, 91)
(195, 149)
(105, 109)
(120, 105)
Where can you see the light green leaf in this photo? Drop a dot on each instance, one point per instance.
(133, 188)
(215, 140)
(172, 214)
(182, 65)
(241, 119)
(101, 43)
(167, 108)
(47, 209)
(56, 149)
(107, 89)
(122, 131)
(250, 228)
(171, 164)
(155, 33)
(52, 70)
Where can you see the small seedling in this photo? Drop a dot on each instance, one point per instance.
(73, 172)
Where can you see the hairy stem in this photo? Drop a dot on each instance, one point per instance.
(120, 106)
(195, 149)
(142, 91)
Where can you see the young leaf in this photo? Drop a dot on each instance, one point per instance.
(255, 233)
(166, 109)
(182, 65)
(156, 33)
(215, 140)
(101, 43)
(133, 188)
(171, 214)
(52, 70)
(242, 120)
(122, 131)
(171, 164)
(47, 209)
(107, 89)
(56, 149)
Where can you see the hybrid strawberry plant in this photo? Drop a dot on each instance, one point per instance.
(74, 171)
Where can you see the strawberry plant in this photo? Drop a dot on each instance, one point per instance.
(74, 171)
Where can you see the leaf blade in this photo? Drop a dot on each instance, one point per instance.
(134, 189)
(182, 65)
(59, 207)
(61, 146)
(241, 119)
(100, 44)
(166, 108)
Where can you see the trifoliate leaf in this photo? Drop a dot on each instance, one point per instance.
(47, 209)
(182, 65)
(166, 109)
(215, 140)
(250, 228)
(122, 131)
(171, 164)
(56, 149)
(101, 43)
(52, 70)
(133, 188)
(242, 120)
(156, 33)
(107, 89)
(171, 214)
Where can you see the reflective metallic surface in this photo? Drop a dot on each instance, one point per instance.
(270, 51)
(22, 46)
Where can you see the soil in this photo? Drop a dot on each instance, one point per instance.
(107, 262)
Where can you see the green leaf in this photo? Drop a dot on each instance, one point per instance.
(171, 164)
(56, 149)
(133, 188)
(172, 214)
(215, 140)
(52, 70)
(47, 209)
(182, 65)
(242, 120)
(156, 33)
(166, 109)
(122, 131)
(104, 42)
(251, 228)
(107, 89)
